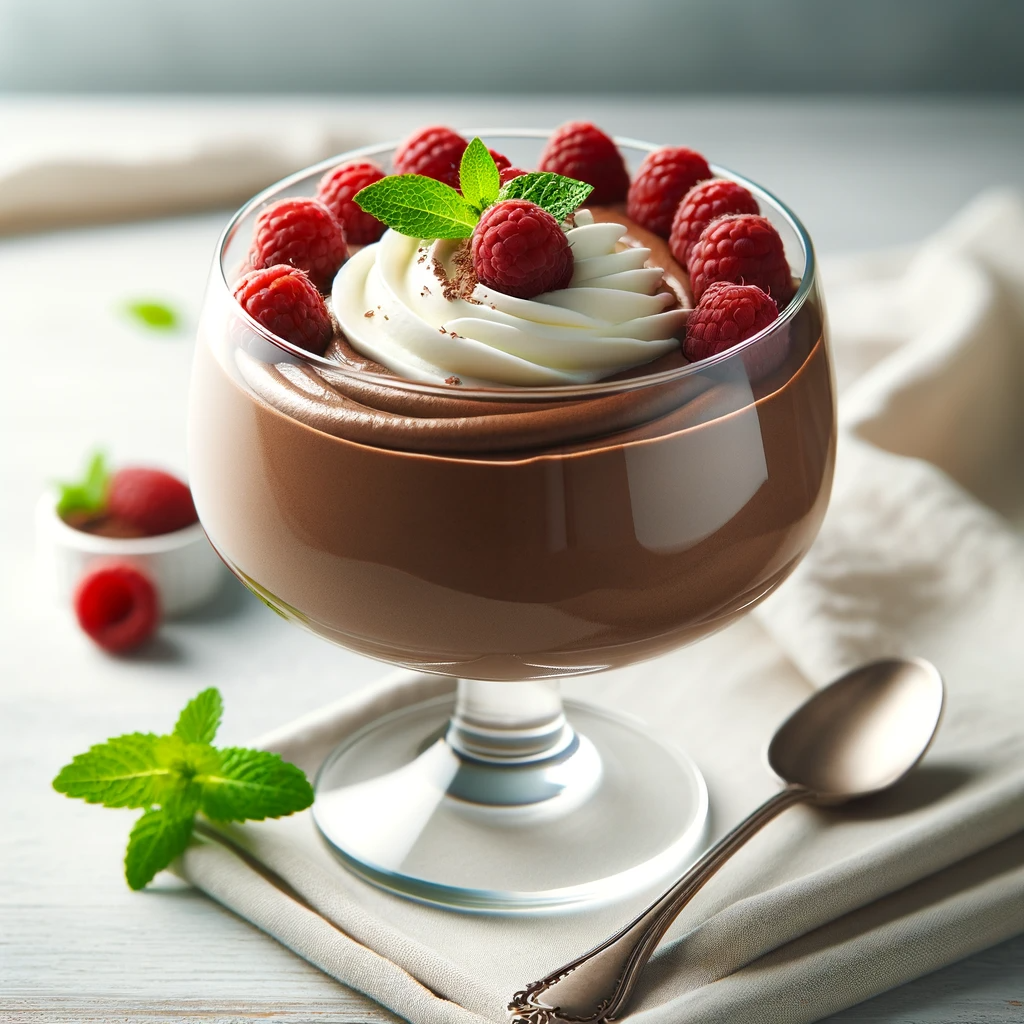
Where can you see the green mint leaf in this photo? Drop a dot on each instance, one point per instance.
(200, 718)
(176, 775)
(559, 195)
(418, 206)
(478, 176)
(253, 784)
(155, 315)
(158, 837)
(134, 770)
(89, 494)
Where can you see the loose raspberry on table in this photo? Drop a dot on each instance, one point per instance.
(726, 315)
(506, 174)
(117, 606)
(581, 150)
(302, 233)
(435, 152)
(285, 301)
(743, 249)
(661, 181)
(705, 202)
(336, 191)
(519, 249)
(151, 500)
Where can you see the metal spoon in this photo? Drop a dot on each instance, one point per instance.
(858, 736)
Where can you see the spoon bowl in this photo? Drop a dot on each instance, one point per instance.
(862, 733)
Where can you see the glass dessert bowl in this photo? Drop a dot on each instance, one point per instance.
(510, 534)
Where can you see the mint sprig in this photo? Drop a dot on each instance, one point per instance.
(175, 775)
(415, 205)
(89, 494)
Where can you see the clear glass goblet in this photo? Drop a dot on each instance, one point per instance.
(663, 506)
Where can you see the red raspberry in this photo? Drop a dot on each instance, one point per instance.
(508, 173)
(500, 160)
(726, 315)
(336, 191)
(284, 300)
(150, 500)
(117, 607)
(520, 250)
(700, 206)
(302, 233)
(435, 152)
(581, 150)
(664, 177)
(744, 249)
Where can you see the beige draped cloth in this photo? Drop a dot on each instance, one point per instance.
(920, 553)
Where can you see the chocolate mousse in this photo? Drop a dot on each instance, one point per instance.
(103, 525)
(503, 533)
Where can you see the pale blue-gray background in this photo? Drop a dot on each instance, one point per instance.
(468, 47)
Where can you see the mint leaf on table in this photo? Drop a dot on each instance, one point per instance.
(156, 839)
(152, 314)
(478, 176)
(175, 775)
(252, 785)
(559, 195)
(200, 718)
(421, 207)
(89, 494)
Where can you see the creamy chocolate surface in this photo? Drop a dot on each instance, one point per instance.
(503, 539)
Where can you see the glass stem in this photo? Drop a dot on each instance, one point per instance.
(510, 723)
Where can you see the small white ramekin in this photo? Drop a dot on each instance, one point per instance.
(182, 565)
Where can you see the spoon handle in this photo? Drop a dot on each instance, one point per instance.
(596, 986)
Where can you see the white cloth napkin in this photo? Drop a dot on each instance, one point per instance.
(919, 554)
(67, 163)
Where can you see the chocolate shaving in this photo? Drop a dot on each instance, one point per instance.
(462, 285)
(452, 380)
(465, 273)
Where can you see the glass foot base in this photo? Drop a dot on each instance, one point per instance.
(612, 811)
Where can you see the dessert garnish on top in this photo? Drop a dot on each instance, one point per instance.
(515, 222)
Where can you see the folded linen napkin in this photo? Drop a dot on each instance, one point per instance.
(918, 554)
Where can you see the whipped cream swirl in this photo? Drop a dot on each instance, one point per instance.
(614, 315)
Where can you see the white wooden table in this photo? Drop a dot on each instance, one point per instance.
(75, 944)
